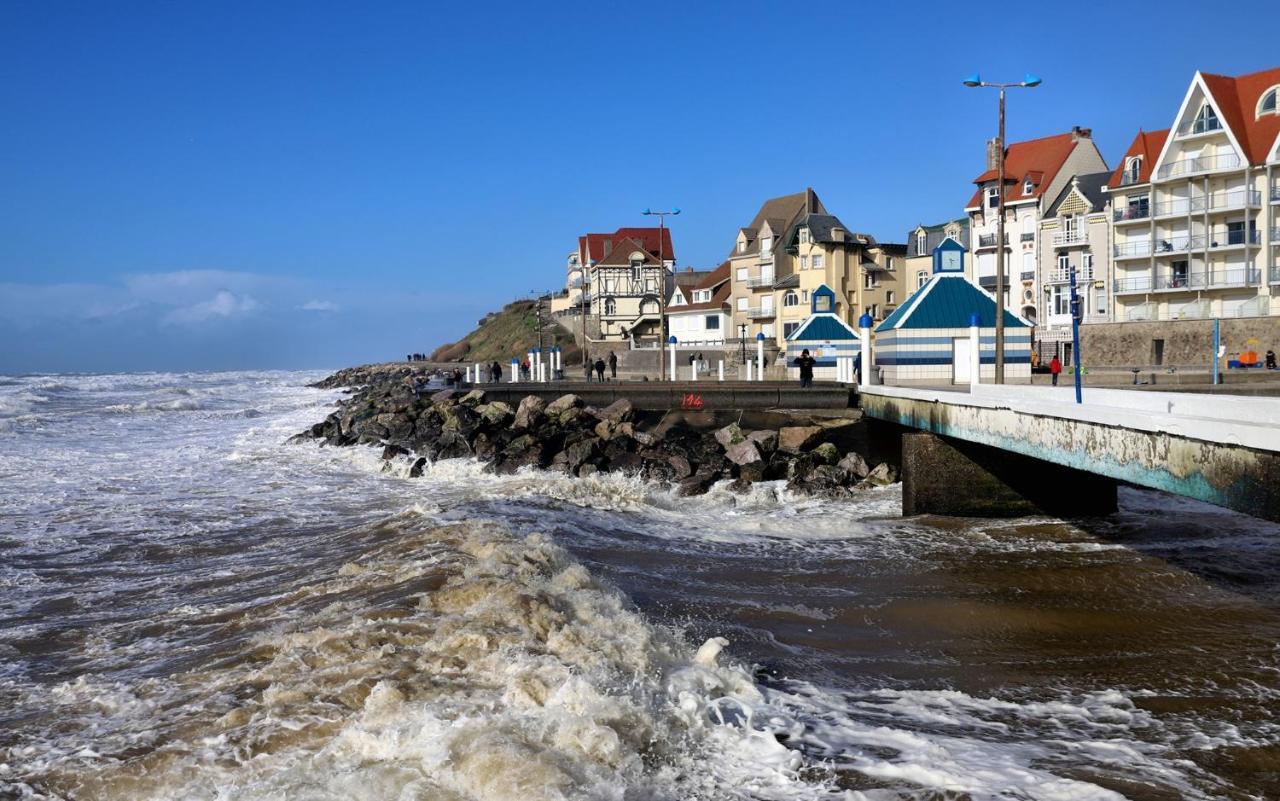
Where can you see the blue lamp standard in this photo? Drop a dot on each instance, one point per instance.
(662, 291)
(1029, 82)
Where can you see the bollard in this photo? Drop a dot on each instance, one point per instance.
(975, 355)
(722, 369)
(693, 372)
(864, 325)
(749, 365)
(478, 373)
(760, 356)
(515, 370)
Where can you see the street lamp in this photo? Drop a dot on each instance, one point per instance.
(585, 303)
(662, 291)
(1029, 82)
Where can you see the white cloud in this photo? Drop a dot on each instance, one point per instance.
(223, 305)
(319, 306)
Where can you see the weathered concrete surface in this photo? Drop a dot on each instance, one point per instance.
(1187, 343)
(692, 395)
(964, 479)
(1234, 464)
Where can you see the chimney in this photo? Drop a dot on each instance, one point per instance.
(810, 200)
(1078, 133)
(993, 153)
(837, 234)
(608, 248)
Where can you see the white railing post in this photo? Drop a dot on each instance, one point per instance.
(760, 355)
(515, 370)
(864, 333)
(722, 369)
(750, 364)
(975, 352)
(672, 350)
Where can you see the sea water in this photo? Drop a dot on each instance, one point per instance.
(193, 608)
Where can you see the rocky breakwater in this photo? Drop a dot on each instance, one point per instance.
(690, 451)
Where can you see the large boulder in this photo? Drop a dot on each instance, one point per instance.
(444, 396)
(827, 453)
(496, 414)
(563, 404)
(530, 412)
(620, 411)
(854, 465)
(882, 476)
(743, 453)
(729, 435)
(765, 439)
(698, 483)
(794, 439)
(473, 398)
(579, 452)
(605, 430)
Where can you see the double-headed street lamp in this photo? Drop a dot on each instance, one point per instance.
(1029, 82)
(662, 290)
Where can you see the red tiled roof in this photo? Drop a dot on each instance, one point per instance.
(592, 246)
(1237, 99)
(1146, 144)
(1045, 156)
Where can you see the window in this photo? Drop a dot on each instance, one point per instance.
(888, 262)
(1132, 169)
(790, 298)
(1100, 300)
(1027, 187)
(1061, 298)
(920, 243)
(742, 246)
(993, 197)
(869, 281)
(742, 304)
(822, 303)
(922, 278)
(888, 296)
(804, 262)
(1028, 265)
(817, 261)
(767, 330)
(804, 296)
(1206, 120)
(610, 306)
(1269, 101)
(712, 322)
(742, 274)
(766, 246)
(804, 236)
(1086, 263)
(874, 311)
(789, 328)
(1064, 264)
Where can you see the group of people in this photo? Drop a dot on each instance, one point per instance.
(598, 366)
(417, 357)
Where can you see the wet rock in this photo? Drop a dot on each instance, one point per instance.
(827, 453)
(473, 398)
(495, 414)
(854, 466)
(766, 440)
(579, 452)
(587, 470)
(680, 466)
(626, 462)
(392, 451)
(415, 470)
(697, 484)
(739, 486)
(743, 453)
(882, 476)
(620, 411)
(562, 404)
(644, 438)
(795, 439)
(604, 430)
(529, 413)
(729, 435)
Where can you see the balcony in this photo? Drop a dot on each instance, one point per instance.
(1139, 283)
(1029, 275)
(1220, 201)
(1275, 274)
(758, 283)
(1060, 276)
(761, 313)
(1229, 239)
(1129, 179)
(1201, 126)
(1132, 250)
(1178, 244)
(1239, 277)
(1275, 236)
(1078, 236)
(1224, 161)
(989, 240)
(1275, 194)
(1135, 212)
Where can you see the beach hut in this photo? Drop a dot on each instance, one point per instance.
(926, 339)
(832, 342)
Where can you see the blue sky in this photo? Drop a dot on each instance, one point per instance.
(236, 185)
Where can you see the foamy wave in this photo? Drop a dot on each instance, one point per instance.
(153, 406)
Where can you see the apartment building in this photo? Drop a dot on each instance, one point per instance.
(570, 300)
(698, 316)
(1074, 234)
(625, 274)
(921, 241)
(1035, 173)
(1195, 207)
(756, 263)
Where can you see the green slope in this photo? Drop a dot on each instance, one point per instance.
(510, 332)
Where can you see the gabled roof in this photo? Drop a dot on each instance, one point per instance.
(933, 236)
(821, 230)
(1089, 185)
(821, 327)
(779, 212)
(1146, 144)
(1042, 157)
(1237, 99)
(946, 301)
(621, 254)
(598, 246)
(714, 278)
(718, 300)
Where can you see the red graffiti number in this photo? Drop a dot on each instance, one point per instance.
(691, 400)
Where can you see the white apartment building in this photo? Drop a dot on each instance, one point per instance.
(1036, 173)
(1195, 208)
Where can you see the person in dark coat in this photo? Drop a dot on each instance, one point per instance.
(495, 372)
(588, 366)
(805, 362)
(1270, 359)
(613, 365)
(600, 369)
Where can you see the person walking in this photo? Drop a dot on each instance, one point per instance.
(1055, 367)
(613, 365)
(600, 369)
(524, 369)
(588, 366)
(805, 362)
(495, 372)
(1270, 359)
(857, 368)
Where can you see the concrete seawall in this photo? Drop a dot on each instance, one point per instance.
(690, 395)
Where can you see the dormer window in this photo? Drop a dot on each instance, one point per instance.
(1268, 104)
(920, 243)
(1028, 187)
(742, 246)
(993, 197)
(804, 236)
(1206, 120)
(1132, 169)
(766, 246)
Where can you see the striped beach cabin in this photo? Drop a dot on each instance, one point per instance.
(926, 339)
(830, 341)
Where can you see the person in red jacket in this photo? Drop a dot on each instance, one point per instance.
(1055, 367)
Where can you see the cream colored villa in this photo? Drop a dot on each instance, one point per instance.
(1074, 235)
(1196, 208)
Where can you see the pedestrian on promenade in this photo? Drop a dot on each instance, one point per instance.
(805, 362)
(524, 369)
(857, 368)
(613, 365)
(495, 372)
(1270, 359)
(600, 369)
(1055, 367)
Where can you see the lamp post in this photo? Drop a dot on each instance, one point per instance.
(1029, 82)
(585, 302)
(662, 290)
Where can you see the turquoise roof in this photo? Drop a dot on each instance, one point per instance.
(947, 301)
(823, 328)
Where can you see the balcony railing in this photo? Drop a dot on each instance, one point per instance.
(1220, 201)
(989, 240)
(1243, 276)
(1275, 194)
(1059, 275)
(1275, 274)
(756, 283)
(1028, 275)
(1128, 178)
(1275, 236)
(761, 312)
(1134, 212)
(1200, 126)
(1137, 283)
(1226, 239)
(1224, 161)
(1178, 244)
(1129, 250)
(1027, 237)
(1079, 236)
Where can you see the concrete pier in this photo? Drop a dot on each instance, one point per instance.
(952, 477)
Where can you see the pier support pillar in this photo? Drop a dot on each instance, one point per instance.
(964, 479)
